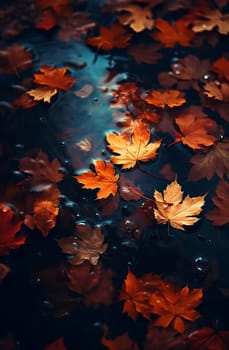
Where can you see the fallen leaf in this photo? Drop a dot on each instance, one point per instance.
(167, 172)
(208, 338)
(86, 244)
(56, 78)
(221, 67)
(43, 93)
(219, 215)
(121, 342)
(173, 305)
(84, 277)
(129, 151)
(143, 53)
(170, 98)
(171, 34)
(103, 178)
(58, 344)
(218, 91)
(24, 101)
(128, 191)
(173, 209)
(138, 18)
(124, 95)
(47, 22)
(212, 19)
(75, 26)
(84, 145)
(166, 339)
(15, 59)
(9, 227)
(85, 91)
(114, 36)
(207, 164)
(196, 132)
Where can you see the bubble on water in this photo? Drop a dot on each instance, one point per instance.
(206, 76)
(19, 147)
(201, 264)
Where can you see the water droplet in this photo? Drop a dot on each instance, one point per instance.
(177, 72)
(201, 264)
(206, 76)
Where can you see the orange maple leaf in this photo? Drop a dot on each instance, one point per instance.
(137, 17)
(121, 342)
(44, 93)
(103, 178)
(218, 91)
(56, 78)
(58, 344)
(8, 230)
(174, 305)
(219, 215)
(15, 59)
(221, 66)
(115, 36)
(212, 19)
(137, 292)
(172, 209)
(196, 132)
(129, 151)
(215, 161)
(171, 34)
(170, 98)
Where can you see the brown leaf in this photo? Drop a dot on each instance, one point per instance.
(87, 244)
(143, 53)
(214, 161)
(212, 19)
(218, 91)
(166, 339)
(43, 93)
(221, 66)
(219, 215)
(121, 342)
(137, 17)
(15, 59)
(128, 191)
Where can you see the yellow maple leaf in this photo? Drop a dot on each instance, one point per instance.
(171, 208)
(132, 149)
(103, 178)
(44, 93)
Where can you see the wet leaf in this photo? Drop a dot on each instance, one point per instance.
(208, 339)
(212, 19)
(121, 342)
(174, 305)
(219, 215)
(103, 178)
(43, 93)
(47, 22)
(166, 339)
(58, 344)
(41, 169)
(114, 36)
(196, 132)
(9, 227)
(4, 270)
(143, 53)
(87, 244)
(221, 66)
(207, 164)
(218, 91)
(138, 18)
(171, 34)
(56, 78)
(128, 191)
(15, 59)
(170, 98)
(129, 151)
(173, 209)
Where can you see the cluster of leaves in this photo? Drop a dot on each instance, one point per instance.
(150, 118)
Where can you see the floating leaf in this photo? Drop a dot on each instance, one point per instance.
(15, 59)
(208, 338)
(173, 209)
(138, 18)
(170, 98)
(219, 215)
(44, 93)
(212, 19)
(218, 91)
(56, 78)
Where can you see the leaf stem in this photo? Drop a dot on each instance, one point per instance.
(149, 172)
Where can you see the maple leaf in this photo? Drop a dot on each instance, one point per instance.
(114, 36)
(103, 178)
(57, 344)
(41, 170)
(214, 161)
(87, 244)
(56, 78)
(221, 66)
(24, 101)
(145, 53)
(219, 91)
(174, 305)
(208, 338)
(138, 18)
(212, 19)
(47, 22)
(128, 191)
(125, 94)
(45, 210)
(170, 98)
(166, 339)
(170, 208)
(44, 93)
(129, 151)
(137, 292)
(171, 34)
(196, 131)
(121, 342)
(9, 227)
(75, 27)
(219, 215)
(15, 59)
